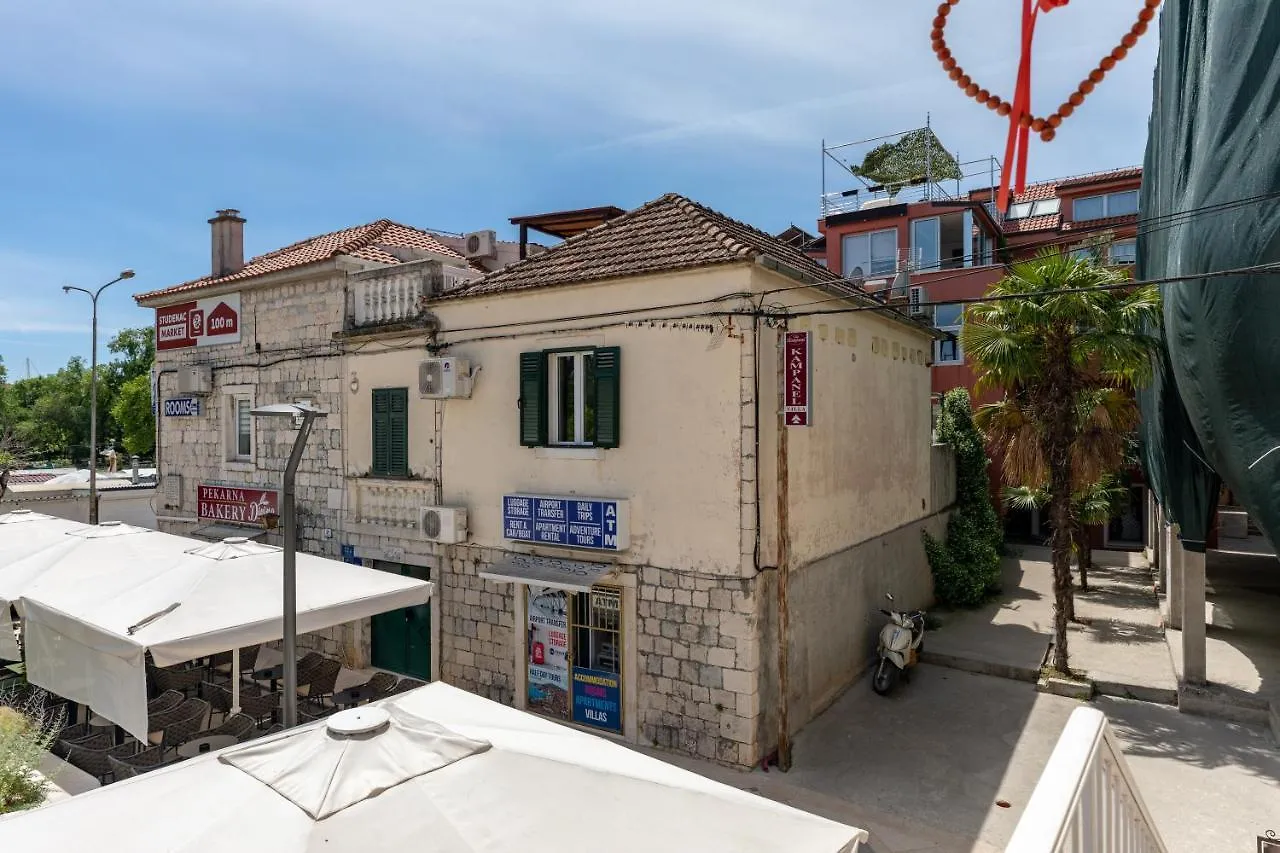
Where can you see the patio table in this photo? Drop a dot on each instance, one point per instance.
(270, 673)
(209, 743)
(353, 696)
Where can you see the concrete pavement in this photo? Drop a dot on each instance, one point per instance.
(925, 768)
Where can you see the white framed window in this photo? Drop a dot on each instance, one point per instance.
(1123, 252)
(870, 253)
(238, 443)
(948, 319)
(926, 243)
(571, 387)
(1105, 205)
(1046, 207)
(1020, 210)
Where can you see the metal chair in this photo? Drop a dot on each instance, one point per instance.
(320, 683)
(166, 700)
(187, 719)
(380, 685)
(95, 760)
(239, 726)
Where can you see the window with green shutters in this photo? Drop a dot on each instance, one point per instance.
(391, 432)
(570, 397)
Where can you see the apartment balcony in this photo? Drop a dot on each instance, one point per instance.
(397, 295)
(387, 507)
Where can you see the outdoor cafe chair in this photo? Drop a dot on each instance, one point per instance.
(321, 682)
(95, 760)
(128, 766)
(220, 664)
(380, 685)
(179, 724)
(239, 726)
(64, 745)
(407, 684)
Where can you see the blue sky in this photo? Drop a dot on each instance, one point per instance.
(126, 124)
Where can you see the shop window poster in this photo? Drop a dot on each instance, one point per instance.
(549, 652)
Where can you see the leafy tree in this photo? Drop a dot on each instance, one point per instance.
(27, 731)
(966, 567)
(132, 411)
(1067, 348)
(135, 350)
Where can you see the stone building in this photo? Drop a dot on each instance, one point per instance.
(584, 450)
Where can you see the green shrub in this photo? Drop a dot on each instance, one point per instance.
(27, 731)
(966, 567)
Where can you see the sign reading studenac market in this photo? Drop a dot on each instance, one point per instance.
(236, 505)
(199, 323)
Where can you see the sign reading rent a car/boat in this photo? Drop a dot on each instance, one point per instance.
(236, 505)
(199, 323)
(596, 523)
(796, 374)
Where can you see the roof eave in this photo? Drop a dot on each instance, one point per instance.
(159, 299)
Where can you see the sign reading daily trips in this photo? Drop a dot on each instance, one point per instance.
(199, 323)
(234, 504)
(797, 375)
(599, 524)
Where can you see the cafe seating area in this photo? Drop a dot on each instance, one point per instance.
(191, 709)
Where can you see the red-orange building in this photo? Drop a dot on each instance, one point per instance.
(925, 245)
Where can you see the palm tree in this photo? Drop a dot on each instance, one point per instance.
(1067, 344)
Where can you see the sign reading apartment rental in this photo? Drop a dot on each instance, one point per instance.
(236, 505)
(200, 323)
(597, 523)
(797, 372)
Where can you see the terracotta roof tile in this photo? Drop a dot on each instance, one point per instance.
(1097, 224)
(1052, 189)
(668, 233)
(368, 242)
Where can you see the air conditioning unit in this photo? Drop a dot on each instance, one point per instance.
(195, 379)
(482, 244)
(443, 524)
(915, 301)
(444, 378)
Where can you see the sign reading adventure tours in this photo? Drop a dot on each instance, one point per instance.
(596, 523)
(234, 504)
(199, 323)
(549, 652)
(797, 372)
(597, 698)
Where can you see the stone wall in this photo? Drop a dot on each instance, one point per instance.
(479, 645)
(699, 654)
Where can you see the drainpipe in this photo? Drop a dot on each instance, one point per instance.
(784, 560)
(159, 415)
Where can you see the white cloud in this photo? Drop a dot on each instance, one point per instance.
(612, 73)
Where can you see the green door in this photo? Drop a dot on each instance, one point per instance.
(402, 638)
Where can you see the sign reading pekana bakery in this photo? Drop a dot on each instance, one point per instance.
(236, 505)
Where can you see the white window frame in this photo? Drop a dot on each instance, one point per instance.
(1111, 253)
(868, 270)
(937, 345)
(233, 395)
(1106, 205)
(1019, 210)
(917, 251)
(579, 439)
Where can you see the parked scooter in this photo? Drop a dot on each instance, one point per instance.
(901, 642)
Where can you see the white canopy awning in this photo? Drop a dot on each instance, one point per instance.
(436, 769)
(571, 575)
(23, 533)
(94, 605)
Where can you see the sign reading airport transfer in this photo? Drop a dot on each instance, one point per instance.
(600, 524)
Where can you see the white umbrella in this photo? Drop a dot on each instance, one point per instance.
(435, 770)
(23, 533)
(93, 608)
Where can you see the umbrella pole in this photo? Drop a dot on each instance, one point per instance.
(235, 680)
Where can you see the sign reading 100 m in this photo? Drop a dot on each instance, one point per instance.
(595, 523)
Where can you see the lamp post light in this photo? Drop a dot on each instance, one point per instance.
(93, 390)
(304, 414)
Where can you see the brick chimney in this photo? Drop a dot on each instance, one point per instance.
(228, 242)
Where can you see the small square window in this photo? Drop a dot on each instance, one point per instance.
(1124, 252)
(945, 316)
(949, 351)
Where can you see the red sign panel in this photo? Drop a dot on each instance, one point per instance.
(199, 323)
(796, 373)
(236, 505)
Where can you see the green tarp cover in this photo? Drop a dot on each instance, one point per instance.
(1214, 148)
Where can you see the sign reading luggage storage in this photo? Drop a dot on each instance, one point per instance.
(796, 376)
(182, 407)
(595, 523)
(236, 505)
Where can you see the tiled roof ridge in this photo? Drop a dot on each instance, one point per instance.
(364, 240)
(705, 217)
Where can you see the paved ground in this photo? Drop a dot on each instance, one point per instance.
(923, 769)
(1120, 644)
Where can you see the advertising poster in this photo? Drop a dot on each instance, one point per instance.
(549, 652)
(597, 698)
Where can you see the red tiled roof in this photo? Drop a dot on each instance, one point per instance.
(17, 478)
(1098, 224)
(367, 242)
(668, 233)
(1099, 177)
(1053, 189)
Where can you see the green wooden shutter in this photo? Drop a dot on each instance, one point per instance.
(608, 396)
(381, 430)
(398, 461)
(533, 399)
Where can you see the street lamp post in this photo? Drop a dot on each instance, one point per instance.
(93, 391)
(305, 414)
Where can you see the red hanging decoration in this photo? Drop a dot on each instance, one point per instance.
(1021, 119)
